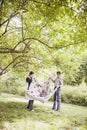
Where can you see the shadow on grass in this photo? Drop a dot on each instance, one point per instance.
(11, 111)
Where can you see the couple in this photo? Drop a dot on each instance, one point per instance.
(58, 83)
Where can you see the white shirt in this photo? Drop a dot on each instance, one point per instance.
(58, 82)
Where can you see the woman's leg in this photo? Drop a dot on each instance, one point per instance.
(28, 104)
(31, 104)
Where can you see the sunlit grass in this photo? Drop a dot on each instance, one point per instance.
(15, 116)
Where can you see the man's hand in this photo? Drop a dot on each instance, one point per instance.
(52, 79)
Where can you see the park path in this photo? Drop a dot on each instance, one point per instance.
(15, 98)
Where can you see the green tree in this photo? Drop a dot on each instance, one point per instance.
(33, 32)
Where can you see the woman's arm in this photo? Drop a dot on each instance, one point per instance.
(36, 81)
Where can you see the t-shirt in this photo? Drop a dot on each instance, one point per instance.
(28, 80)
(58, 82)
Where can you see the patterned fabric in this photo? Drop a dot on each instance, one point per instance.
(37, 92)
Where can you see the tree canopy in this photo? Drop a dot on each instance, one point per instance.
(44, 34)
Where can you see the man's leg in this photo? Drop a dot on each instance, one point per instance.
(58, 99)
(54, 103)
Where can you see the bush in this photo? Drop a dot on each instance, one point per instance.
(74, 95)
(13, 85)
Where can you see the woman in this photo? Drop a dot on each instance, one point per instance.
(29, 81)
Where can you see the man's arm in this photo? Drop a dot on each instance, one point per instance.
(52, 80)
(61, 82)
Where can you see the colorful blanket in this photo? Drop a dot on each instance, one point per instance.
(41, 93)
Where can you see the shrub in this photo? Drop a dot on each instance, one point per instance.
(75, 95)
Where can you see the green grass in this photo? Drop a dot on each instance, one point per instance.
(15, 116)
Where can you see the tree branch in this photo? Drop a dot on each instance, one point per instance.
(11, 16)
(5, 28)
(27, 47)
(3, 70)
(71, 44)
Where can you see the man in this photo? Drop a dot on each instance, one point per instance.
(58, 83)
(29, 81)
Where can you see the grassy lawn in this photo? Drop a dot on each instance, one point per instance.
(15, 116)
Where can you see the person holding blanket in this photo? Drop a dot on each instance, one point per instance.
(29, 81)
(58, 83)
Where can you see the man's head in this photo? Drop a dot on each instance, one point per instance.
(58, 73)
(31, 73)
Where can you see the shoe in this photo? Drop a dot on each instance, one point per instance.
(57, 110)
(27, 107)
(32, 110)
(53, 108)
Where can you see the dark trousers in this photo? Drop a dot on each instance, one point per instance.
(57, 99)
(30, 104)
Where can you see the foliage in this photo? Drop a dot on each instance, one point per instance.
(34, 34)
(13, 84)
(75, 95)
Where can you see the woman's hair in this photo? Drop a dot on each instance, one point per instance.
(31, 72)
(58, 72)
